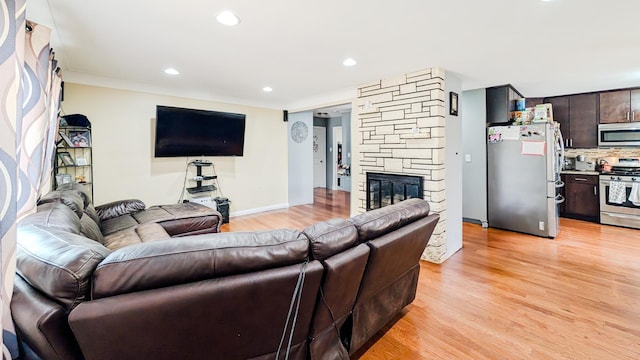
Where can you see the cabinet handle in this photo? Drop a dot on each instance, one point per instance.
(633, 116)
(627, 116)
(595, 191)
(580, 179)
(570, 142)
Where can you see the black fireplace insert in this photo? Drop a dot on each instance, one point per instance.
(387, 189)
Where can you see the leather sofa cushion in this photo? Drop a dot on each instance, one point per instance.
(113, 225)
(331, 237)
(93, 214)
(58, 263)
(135, 235)
(161, 213)
(178, 261)
(90, 229)
(68, 197)
(378, 222)
(119, 208)
(54, 215)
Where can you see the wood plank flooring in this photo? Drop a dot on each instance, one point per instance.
(507, 295)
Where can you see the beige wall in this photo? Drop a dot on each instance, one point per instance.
(124, 166)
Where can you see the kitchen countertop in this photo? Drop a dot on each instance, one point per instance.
(578, 172)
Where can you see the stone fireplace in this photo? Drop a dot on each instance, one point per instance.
(400, 130)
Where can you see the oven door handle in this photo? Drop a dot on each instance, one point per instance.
(622, 216)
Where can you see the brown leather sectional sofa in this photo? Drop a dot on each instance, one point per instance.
(320, 293)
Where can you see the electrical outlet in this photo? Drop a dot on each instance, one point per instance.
(541, 225)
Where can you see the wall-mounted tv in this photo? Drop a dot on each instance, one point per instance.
(191, 132)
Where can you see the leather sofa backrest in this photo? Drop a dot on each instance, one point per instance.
(335, 244)
(70, 198)
(240, 316)
(80, 190)
(378, 222)
(331, 237)
(54, 215)
(391, 277)
(194, 258)
(58, 263)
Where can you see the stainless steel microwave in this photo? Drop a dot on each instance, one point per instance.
(619, 134)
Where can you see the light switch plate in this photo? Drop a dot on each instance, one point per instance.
(467, 158)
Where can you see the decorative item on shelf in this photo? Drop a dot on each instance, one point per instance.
(66, 139)
(80, 138)
(81, 161)
(63, 179)
(66, 158)
(453, 103)
(543, 113)
(81, 179)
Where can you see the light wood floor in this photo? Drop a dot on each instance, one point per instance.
(507, 295)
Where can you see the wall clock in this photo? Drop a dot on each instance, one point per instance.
(299, 131)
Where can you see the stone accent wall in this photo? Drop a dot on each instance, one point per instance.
(400, 129)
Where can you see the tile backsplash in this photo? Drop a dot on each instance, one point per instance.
(593, 154)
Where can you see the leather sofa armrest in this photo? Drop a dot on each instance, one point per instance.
(118, 208)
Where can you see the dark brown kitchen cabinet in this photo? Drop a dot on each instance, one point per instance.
(578, 119)
(500, 102)
(583, 121)
(581, 194)
(620, 106)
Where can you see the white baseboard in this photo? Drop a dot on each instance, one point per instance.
(259, 210)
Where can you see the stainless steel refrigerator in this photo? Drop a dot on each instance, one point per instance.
(523, 175)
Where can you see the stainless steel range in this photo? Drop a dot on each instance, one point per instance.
(620, 194)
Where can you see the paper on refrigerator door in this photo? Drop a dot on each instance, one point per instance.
(533, 148)
(499, 133)
(511, 133)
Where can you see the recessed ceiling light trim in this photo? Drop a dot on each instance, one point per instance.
(171, 71)
(267, 89)
(349, 62)
(228, 18)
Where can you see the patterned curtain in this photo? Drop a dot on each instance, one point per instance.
(28, 121)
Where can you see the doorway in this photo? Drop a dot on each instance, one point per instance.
(319, 156)
(337, 157)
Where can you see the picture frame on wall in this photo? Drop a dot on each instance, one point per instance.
(453, 103)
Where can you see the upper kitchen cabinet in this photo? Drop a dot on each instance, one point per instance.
(578, 119)
(583, 121)
(500, 103)
(619, 106)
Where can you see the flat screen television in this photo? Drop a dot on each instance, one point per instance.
(191, 132)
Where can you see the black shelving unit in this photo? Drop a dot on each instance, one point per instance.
(200, 188)
(73, 162)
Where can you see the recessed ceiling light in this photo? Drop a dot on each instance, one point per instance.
(349, 62)
(172, 71)
(267, 89)
(228, 18)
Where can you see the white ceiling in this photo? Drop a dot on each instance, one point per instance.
(297, 46)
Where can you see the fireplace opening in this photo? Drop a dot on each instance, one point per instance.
(387, 189)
